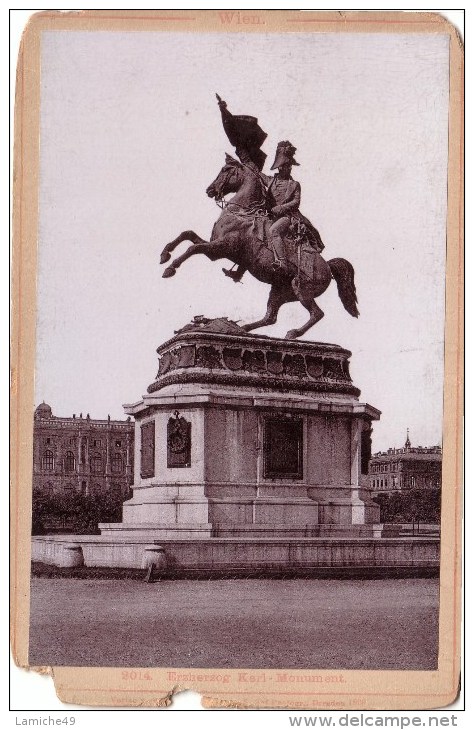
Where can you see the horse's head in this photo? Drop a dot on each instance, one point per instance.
(228, 180)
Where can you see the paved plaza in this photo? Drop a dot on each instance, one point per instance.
(343, 624)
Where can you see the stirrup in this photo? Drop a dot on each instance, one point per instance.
(278, 265)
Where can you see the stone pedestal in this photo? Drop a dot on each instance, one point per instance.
(243, 435)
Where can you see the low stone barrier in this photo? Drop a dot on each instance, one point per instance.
(227, 556)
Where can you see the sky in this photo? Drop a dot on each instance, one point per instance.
(131, 137)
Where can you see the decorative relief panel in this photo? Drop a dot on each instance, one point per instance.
(178, 442)
(232, 357)
(275, 362)
(314, 366)
(283, 448)
(294, 365)
(228, 359)
(208, 356)
(366, 448)
(147, 451)
(254, 361)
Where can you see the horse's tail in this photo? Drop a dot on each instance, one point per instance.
(343, 273)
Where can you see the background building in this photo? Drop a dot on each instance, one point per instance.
(411, 467)
(82, 455)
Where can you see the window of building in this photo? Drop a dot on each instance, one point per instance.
(283, 448)
(118, 444)
(47, 462)
(96, 464)
(48, 441)
(48, 489)
(97, 442)
(69, 488)
(83, 488)
(117, 464)
(412, 481)
(70, 462)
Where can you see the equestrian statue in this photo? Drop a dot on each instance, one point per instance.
(262, 230)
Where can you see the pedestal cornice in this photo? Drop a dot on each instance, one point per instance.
(222, 353)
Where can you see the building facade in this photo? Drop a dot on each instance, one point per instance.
(82, 455)
(411, 467)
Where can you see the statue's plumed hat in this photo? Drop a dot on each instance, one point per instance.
(284, 153)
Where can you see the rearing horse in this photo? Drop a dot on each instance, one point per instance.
(236, 236)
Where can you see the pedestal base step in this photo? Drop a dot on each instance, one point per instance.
(263, 530)
(152, 531)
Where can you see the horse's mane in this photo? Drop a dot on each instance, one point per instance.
(229, 160)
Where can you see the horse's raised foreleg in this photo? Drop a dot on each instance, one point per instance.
(275, 300)
(184, 236)
(215, 250)
(305, 294)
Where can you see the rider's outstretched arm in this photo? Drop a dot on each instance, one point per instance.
(244, 156)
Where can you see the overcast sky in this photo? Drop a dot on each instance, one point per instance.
(130, 138)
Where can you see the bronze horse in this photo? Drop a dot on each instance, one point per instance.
(235, 236)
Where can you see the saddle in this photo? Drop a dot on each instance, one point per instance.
(302, 243)
(301, 256)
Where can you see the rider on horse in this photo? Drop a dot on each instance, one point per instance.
(281, 191)
(244, 231)
(283, 201)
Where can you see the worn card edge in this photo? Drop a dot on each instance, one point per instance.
(441, 687)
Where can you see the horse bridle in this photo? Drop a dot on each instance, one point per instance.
(220, 202)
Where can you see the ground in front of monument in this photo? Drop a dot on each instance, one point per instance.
(256, 623)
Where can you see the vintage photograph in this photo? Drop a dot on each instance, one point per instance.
(238, 442)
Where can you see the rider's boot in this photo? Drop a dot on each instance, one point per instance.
(235, 275)
(278, 246)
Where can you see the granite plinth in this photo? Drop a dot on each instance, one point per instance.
(205, 427)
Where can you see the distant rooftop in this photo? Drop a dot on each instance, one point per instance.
(44, 412)
(409, 449)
